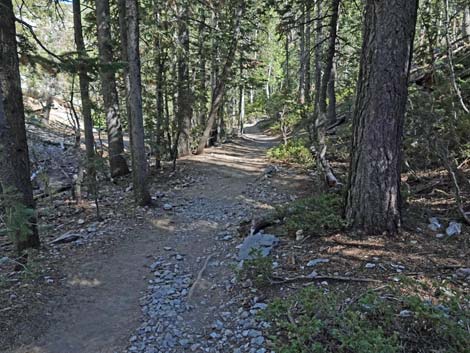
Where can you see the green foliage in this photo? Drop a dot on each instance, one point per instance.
(317, 215)
(16, 216)
(258, 269)
(314, 320)
(295, 151)
(285, 110)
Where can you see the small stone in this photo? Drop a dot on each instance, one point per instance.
(260, 306)
(247, 284)
(454, 228)
(214, 335)
(254, 333)
(167, 207)
(406, 313)
(315, 262)
(258, 341)
(218, 325)
(183, 342)
(80, 221)
(313, 274)
(167, 248)
(463, 273)
(369, 265)
(434, 224)
(179, 257)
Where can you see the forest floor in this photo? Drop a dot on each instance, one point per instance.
(164, 279)
(84, 296)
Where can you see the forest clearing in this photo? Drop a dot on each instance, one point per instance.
(234, 176)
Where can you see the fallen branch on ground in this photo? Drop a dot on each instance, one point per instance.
(199, 276)
(322, 278)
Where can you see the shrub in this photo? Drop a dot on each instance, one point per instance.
(314, 321)
(295, 151)
(316, 215)
(259, 270)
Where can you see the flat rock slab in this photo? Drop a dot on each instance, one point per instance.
(257, 243)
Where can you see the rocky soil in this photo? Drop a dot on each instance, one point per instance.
(163, 279)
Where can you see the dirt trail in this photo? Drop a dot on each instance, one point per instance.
(100, 309)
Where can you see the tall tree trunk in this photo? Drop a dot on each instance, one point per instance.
(308, 35)
(183, 111)
(124, 57)
(117, 161)
(159, 69)
(466, 23)
(202, 69)
(218, 94)
(317, 57)
(321, 115)
(267, 88)
(84, 93)
(332, 95)
(287, 63)
(140, 168)
(373, 202)
(302, 56)
(14, 159)
(241, 100)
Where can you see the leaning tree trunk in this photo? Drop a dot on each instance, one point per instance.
(14, 159)
(140, 167)
(218, 94)
(117, 161)
(84, 92)
(373, 201)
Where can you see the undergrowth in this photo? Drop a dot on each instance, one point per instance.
(259, 270)
(316, 215)
(295, 151)
(317, 321)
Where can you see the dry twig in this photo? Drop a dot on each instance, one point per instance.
(199, 276)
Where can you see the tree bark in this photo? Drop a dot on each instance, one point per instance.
(321, 97)
(140, 167)
(317, 57)
(202, 94)
(159, 69)
(302, 56)
(332, 95)
(287, 63)
(14, 159)
(84, 92)
(117, 161)
(308, 35)
(218, 94)
(184, 101)
(241, 100)
(124, 57)
(374, 200)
